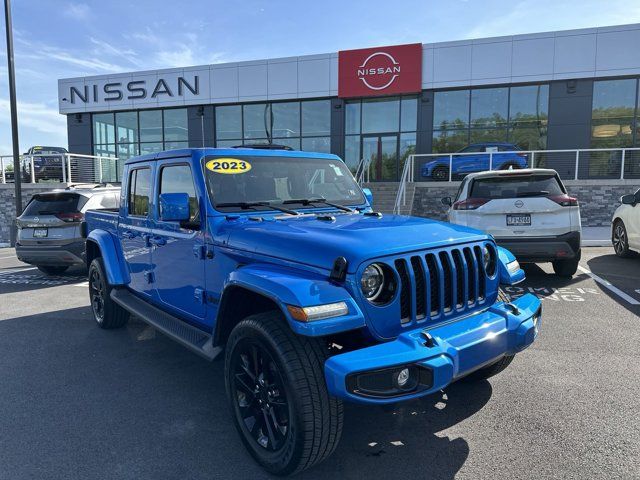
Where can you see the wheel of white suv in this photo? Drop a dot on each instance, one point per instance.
(279, 400)
(620, 239)
(107, 313)
(567, 268)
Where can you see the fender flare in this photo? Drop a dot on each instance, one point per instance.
(116, 272)
(288, 286)
(508, 278)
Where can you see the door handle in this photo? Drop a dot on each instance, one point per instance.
(128, 234)
(157, 241)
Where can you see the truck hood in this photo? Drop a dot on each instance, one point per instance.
(358, 238)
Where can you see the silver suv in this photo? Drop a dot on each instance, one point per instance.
(49, 229)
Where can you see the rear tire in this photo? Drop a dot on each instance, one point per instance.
(107, 313)
(620, 240)
(275, 382)
(440, 174)
(52, 270)
(566, 268)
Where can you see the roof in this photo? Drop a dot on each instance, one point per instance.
(232, 152)
(517, 172)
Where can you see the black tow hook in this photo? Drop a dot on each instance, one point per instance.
(429, 341)
(514, 310)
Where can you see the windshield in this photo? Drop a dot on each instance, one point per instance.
(249, 179)
(47, 150)
(516, 186)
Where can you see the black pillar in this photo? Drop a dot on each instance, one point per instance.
(337, 127)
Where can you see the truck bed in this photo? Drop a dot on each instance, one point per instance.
(103, 219)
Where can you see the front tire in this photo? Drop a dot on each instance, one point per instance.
(107, 313)
(277, 392)
(620, 240)
(52, 270)
(440, 174)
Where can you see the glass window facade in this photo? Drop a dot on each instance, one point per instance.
(516, 115)
(300, 125)
(381, 133)
(614, 115)
(131, 133)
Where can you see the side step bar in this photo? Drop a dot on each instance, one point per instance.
(194, 339)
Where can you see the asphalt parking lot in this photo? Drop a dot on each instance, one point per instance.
(77, 402)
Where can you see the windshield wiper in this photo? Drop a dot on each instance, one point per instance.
(532, 194)
(308, 201)
(248, 205)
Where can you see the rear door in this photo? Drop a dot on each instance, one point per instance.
(522, 205)
(134, 229)
(52, 219)
(177, 248)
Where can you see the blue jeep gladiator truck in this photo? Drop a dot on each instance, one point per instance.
(275, 260)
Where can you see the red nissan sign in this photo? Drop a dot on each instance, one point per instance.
(380, 71)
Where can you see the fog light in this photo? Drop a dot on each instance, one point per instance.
(403, 377)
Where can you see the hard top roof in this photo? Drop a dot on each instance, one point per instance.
(232, 152)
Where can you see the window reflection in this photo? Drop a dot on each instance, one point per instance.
(489, 106)
(150, 125)
(614, 107)
(176, 128)
(380, 115)
(451, 109)
(103, 128)
(229, 122)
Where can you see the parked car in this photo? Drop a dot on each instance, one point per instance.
(527, 211)
(49, 229)
(275, 258)
(47, 163)
(476, 158)
(625, 225)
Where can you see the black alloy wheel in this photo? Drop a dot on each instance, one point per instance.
(259, 395)
(620, 240)
(97, 292)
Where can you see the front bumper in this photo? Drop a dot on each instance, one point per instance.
(543, 249)
(53, 255)
(457, 349)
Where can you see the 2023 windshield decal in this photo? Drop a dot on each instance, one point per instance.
(228, 166)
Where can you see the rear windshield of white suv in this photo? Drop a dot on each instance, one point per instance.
(52, 203)
(516, 186)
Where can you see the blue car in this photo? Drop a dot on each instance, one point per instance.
(275, 261)
(476, 158)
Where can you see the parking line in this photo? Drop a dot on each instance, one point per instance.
(612, 288)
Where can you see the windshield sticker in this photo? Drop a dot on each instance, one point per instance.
(336, 170)
(228, 166)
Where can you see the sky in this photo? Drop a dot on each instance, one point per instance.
(60, 39)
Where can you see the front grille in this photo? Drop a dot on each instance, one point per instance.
(437, 284)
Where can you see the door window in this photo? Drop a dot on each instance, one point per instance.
(179, 179)
(138, 195)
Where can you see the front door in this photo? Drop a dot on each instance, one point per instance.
(133, 230)
(177, 248)
(381, 153)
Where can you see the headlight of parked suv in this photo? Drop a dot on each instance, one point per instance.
(489, 260)
(378, 283)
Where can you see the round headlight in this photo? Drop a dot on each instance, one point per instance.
(372, 282)
(489, 260)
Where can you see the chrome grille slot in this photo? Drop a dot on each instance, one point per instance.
(434, 283)
(447, 280)
(421, 287)
(405, 291)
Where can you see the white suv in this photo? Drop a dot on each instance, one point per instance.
(527, 211)
(625, 226)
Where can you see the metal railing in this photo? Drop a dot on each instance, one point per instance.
(362, 173)
(582, 164)
(65, 168)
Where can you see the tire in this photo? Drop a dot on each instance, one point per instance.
(106, 312)
(620, 240)
(52, 270)
(440, 174)
(305, 423)
(566, 268)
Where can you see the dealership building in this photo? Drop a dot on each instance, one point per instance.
(556, 90)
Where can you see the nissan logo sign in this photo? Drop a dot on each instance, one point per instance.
(519, 204)
(379, 70)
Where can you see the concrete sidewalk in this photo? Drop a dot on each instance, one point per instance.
(596, 236)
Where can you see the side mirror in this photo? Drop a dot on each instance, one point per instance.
(368, 195)
(174, 207)
(446, 201)
(628, 199)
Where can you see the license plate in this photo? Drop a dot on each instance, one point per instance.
(40, 232)
(518, 220)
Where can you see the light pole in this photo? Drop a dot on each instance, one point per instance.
(17, 174)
